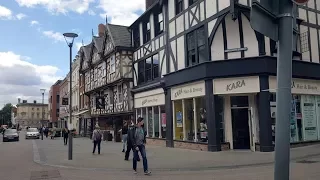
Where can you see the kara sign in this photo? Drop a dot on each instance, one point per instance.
(236, 85)
(188, 91)
(298, 86)
(149, 98)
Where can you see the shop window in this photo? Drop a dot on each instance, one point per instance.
(179, 6)
(156, 117)
(189, 119)
(304, 120)
(201, 119)
(163, 121)
(150, 121)
(196, 47)
(148, 69)
(178, 116)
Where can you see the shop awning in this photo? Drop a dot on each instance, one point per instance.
(82, 112)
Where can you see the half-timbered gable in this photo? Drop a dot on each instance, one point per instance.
(148, 38)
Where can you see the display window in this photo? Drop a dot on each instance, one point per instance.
(304, 119)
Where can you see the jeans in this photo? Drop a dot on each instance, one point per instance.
(124, 141)
(65, 140)
(95, 144)
(142, 150)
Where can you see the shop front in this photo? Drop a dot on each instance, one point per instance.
(240, 119)
(151, 106)
(305, 111)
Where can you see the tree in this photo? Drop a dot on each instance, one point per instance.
(5, 114)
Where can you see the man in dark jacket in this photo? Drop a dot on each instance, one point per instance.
(129, 141)
(138, 139)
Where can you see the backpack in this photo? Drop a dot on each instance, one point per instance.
(98, 136)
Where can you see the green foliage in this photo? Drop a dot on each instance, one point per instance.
(5, 114)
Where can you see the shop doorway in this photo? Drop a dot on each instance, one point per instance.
(240, 122)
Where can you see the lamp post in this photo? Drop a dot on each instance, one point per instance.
(42, 117)
(69, 37)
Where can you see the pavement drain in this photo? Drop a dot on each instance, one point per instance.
(38, 175)
(307, 162)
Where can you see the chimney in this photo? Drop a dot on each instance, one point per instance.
(101, 30)
(19, 100)
(35, 102)
(150, 3)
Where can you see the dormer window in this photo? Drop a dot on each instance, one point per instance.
(147, 32)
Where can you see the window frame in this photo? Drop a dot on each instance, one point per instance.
(196, 46)
(147, 30)
(179, 6)
(152, 68)
(112, 64)
(191, 2)
(136, 38)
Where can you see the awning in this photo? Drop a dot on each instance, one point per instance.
(81, 112)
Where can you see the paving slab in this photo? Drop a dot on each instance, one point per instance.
(53, 152)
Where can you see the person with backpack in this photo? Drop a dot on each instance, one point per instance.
(96, 138)
(129, 142)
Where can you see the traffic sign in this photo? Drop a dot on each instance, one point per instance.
(300, 2)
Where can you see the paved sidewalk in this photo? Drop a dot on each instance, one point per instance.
(54, 153)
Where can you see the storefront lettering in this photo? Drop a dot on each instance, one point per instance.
(187, 91)
(235, 85)
(147, 101)
(295, 85)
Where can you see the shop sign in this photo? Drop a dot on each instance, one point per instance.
(188, 91)
(153, 100)
(298, 86)
(309, 117)
(236, 85)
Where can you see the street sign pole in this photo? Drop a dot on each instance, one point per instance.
(284, 97)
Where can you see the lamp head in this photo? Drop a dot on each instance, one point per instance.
(42, 91)
(69, 37)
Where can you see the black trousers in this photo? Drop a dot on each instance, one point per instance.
(129, 148)
(95, 144)
(65, 140)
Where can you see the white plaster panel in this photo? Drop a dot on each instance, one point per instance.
(211, 7)
(305, 55)
(171, 9)
(217, 49)
(153, 45)
(173, 47)
(172, 29)
(318, 17)
(179, 23)
(244, 2)
(181, 53)
(138, 52)
(249, 38)
(303, 14)
(161, 41)
(211, 26)
(152, 29)
(141, 33)
(223, 4)
(312, 17)
(314, 45)
(135, 77)
(318, 6)
(163, 63)
(311, 4)
(186, 4)
(186, 20)
(156, 42)
(267, 45)
(202, 15)
(233, 37)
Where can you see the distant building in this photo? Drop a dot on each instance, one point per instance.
(54, 103)
(32, 114)
(13, 114)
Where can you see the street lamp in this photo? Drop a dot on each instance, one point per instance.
(42, 92)
(69, 37)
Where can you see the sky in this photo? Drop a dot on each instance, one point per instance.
(33, 51)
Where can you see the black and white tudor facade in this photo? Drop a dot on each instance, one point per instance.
(107, 69)
(204, 79)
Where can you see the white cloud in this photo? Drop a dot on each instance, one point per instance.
(56, 36)
(20, 16)
(34, 22)
(78, 45)
(20, 78)
(58, 6)
(122, 12)
(91, 13)
(5, 13)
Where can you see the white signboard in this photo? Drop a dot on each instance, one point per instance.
(236, 85)
(149, 98)
(298, 86)
(309, 117)
(188, 91)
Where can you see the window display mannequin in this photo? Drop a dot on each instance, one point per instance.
(203, 125)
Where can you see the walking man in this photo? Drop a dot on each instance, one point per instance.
(65, 136)
(96, 138)
(129, 142)
(124, 132)
(138, 139)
